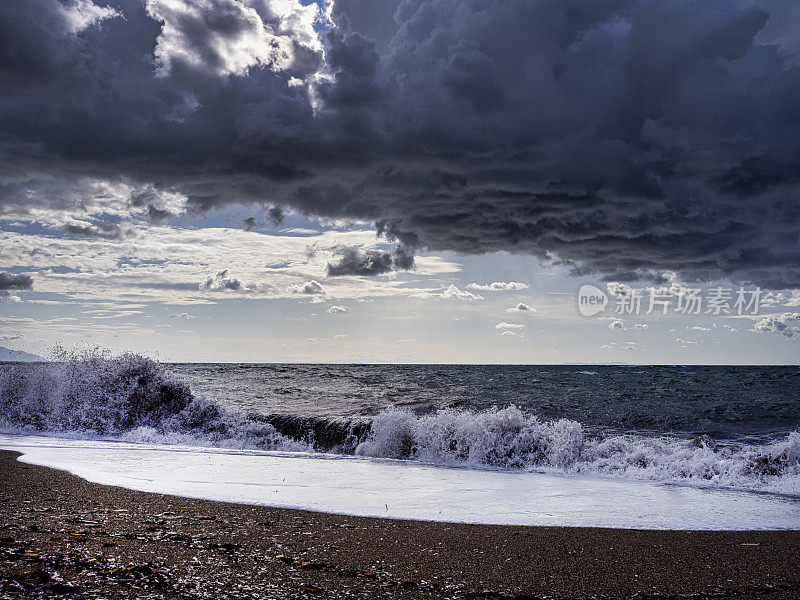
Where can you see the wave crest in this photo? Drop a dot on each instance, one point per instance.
(128, 396)
(509, 438)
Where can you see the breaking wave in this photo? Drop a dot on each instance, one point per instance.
(133, 398)
(128, 397)
(509, 438)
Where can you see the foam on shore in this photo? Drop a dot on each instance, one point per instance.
(407, 490)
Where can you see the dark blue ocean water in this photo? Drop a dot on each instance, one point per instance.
(722, 402)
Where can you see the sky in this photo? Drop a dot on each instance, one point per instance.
(414, 181)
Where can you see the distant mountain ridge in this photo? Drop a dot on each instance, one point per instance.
(9, 355)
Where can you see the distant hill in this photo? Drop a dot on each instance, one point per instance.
(9, 355)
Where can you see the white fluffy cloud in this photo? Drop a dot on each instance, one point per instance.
(96, 208)
(166, 264)
(229, 37)
(449, 293)
(509, 326)
(310, 287)
(619, 289)
(510, 333)
(83, 14)
(521, 307)
(785, 298)
(222, 281)
(498, 286)
(786, 324)
(453, 293)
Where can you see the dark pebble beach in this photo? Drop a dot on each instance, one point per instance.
(63, 537)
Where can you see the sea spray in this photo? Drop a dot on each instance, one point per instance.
(506, 438)
(133, 398)
(509, 438)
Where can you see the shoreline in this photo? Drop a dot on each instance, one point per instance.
(68, 538)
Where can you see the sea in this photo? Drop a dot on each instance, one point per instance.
(541, 440)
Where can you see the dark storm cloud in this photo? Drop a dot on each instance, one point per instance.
(102, 230)
(148, 198)
(157, 215)
(11, 282)
(275, 215)
(619, 136)
(355, 261)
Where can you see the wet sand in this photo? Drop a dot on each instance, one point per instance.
(62, 537)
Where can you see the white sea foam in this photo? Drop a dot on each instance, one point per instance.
(407, 490)
(512, 439)
(127, 397)
(135, 399)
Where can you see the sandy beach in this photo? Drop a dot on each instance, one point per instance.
(64, 537)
